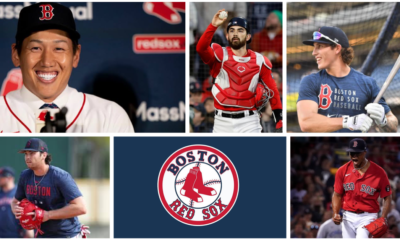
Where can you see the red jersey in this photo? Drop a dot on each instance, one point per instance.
(360, 192)
(237, 77)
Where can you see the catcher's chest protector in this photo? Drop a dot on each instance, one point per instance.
(237, 80)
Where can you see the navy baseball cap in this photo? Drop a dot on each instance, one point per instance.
(195, 87)
(329, 35)
(238, 21)
(357, 145)
(43, 16)
(35, 145)
(6, 172)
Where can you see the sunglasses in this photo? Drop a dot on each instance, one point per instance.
(318, 35)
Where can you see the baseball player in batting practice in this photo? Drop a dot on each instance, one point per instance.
(46, 50)
(243, 81)
(358, 185)
(339, 98)
(47, 198)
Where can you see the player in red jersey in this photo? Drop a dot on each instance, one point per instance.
(242, 79)
(358, 184)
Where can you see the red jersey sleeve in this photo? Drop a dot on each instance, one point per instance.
(339, 181)
(384, 185)
(203, 46)
(266, 77)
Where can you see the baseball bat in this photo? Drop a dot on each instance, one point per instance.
(388, 79)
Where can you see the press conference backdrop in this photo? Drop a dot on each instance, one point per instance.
(132, 53)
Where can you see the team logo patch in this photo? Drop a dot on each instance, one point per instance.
(198, 185)
(355, 144)
(387, 188)
(241, 69)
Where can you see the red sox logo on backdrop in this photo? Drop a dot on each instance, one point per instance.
(198, 185)
(166, 11)
(47, 12)
(324, 97)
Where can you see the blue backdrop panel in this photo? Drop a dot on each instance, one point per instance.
(260, 209)
(150, 87)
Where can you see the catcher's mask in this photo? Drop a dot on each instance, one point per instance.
(238, 21)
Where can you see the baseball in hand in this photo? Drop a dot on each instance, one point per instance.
(223, 15)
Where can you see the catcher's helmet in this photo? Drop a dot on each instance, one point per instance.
(238, 21)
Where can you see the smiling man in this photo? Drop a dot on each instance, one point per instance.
(358, 185)
(47, 50)
(339, 98)
(243, 81)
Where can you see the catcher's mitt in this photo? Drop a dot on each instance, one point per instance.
(263, 94)
(377, 228)
(30, 222)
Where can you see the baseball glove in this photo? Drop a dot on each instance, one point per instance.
(377, 228)
(31, 222)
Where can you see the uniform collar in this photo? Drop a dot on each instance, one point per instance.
(35, 103)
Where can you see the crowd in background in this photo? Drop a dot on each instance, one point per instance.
(265, 20)
(314, 162)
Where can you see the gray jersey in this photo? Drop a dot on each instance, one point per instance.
(329, 230)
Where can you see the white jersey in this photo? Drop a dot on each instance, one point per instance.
(86, 112)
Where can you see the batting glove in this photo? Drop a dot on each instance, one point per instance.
(377, 113)
(359, 122)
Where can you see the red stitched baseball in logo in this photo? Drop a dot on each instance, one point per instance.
(198, 185)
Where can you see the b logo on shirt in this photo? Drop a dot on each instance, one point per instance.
(324, 96)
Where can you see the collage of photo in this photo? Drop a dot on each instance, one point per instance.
(238, 120)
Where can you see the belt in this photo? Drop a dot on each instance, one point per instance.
(355, 212)
(234, 115)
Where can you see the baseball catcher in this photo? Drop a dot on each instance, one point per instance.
(243, 81)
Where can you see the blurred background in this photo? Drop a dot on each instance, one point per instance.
(265, 20)
(314, 163)
(87, 159)
(362, 22)
(132, 54)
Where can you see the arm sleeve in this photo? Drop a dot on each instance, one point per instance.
(308, 90)
(384, 185)
(203, 46)
(339, 182)
(375, 92)
(68, 187)
(20, 193)
(266, 77)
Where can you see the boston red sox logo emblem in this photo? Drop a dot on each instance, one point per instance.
(324, 97)
(47, 12)
(241, 69)
(198, 185)
(355, 144)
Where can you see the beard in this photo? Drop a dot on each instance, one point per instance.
(237, 45)
(271, 27)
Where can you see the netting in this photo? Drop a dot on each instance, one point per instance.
(256, 15)
(362, 22)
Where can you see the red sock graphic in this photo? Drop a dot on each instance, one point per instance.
(187, 189)
(199, 185)
(163, 11)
